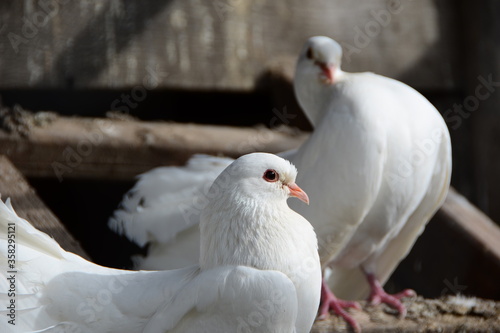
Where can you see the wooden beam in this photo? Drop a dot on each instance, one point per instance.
(29, 206)
(112, 149)
(459, 213)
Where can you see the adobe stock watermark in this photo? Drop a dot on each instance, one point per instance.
(73, 156)
(66, 327)
(455, 115)
(263, 314)
(223, 7)
(93, 305)
(139, 93)
(265, 311)
(364, 35)
(265, 136)
(407, 165)
(32, 24)
(453, 287)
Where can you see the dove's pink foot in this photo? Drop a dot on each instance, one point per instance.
(378, 295)
(330, 302)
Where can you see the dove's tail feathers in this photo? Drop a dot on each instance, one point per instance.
(21, 245)
(38, 283)
(166, 200)
(16, 230)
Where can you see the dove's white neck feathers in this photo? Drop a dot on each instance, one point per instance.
(316, 74)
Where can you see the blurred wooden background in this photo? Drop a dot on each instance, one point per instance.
(229, 62)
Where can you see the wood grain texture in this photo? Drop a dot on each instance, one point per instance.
(111, 149)
(29, 206)
(221, 44)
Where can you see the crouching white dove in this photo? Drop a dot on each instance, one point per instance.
(258, 271)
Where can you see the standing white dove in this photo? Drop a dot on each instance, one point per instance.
(377, 166)
(258, 271)
(384, 155)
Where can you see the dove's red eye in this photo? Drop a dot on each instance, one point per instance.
(309, 53)
(271, 175)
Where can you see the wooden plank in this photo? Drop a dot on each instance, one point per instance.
(221, 44)
(477, 226)
(447, 315)
(29, 206)
(113, 149)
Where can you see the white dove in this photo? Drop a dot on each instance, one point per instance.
(384, 155)
(258, 271)
(377, 166)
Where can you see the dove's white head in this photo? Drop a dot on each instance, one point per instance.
(316, 73)
(320, 57)
(246, 203)
(259, 177)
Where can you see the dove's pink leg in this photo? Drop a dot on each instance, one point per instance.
(330, 302)
(378, 295)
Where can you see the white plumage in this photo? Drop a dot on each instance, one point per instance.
(259, 267)
(173, 194)
(384, 154)
(377, 167)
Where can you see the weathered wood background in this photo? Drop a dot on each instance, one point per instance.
(71, 57)
(230, 62)
(132, 56)
(221, 44)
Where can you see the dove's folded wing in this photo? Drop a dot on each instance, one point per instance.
(230, 299)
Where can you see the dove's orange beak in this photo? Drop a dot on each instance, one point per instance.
(296, 191)
(328, 72)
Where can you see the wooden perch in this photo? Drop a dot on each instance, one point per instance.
(112, 149)
(459, 213)
(446, 315)
(29, 206)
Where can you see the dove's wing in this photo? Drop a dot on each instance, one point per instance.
(167, 201)
(231, 299)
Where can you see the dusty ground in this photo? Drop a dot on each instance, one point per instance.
(449, 314)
